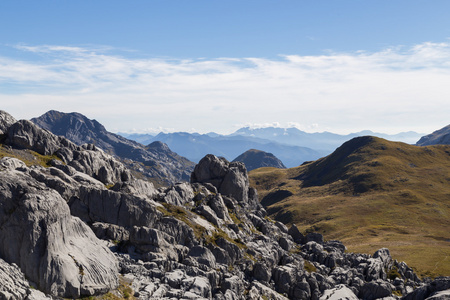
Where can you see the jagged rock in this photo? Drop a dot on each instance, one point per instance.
(13, 282)
(284, 278)
(6, 120)
(385, 256)
(334, 246)
(94, 205)
(94, 162)
(261, 272)
(136, 187)
(230, 179)
(209, 215)
(296, 234)
(314, 237)
(199, 286)
(152, 240)
(259, 291)
(338, 293)
(375, 290)
(301, 290)
(430, 290)
(110, 232)
(24, 134)
(178, 194)
(218, 206)
(56, 251)
(9, 163)
(203, 256)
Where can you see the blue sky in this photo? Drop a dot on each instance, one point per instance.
(146, 66)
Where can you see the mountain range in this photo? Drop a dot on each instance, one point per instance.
(291, 145)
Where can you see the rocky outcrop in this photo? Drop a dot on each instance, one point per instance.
(436, 289)
(155, 161)
(24, 134)
(55, 250)
(229, 179)
(6, 120)
(254, 159)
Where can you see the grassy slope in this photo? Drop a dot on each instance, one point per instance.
(370, 193)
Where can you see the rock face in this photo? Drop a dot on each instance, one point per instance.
(439, 137)
(6, 120)
(254, 159)
(158, 161)
(229, 179)
(207, 239)
(55, 250)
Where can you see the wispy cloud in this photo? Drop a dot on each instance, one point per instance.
(404, 88)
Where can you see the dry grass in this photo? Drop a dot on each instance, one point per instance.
(370, 193)
(29, 157)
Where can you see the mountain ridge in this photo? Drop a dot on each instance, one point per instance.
(440, 136)
(254, 159)
(159, 163)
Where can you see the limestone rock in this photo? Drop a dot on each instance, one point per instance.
(375, 290)
(56, 251)
(338, 293)
(6, 120)
(24, 134)
(230, 179)
(9, 163)
(13, 282)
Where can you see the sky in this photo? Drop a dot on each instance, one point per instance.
(201, 66)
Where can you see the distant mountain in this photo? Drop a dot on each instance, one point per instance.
(142, 138)
(254, 159)
(320, 140)
(155, 161)
(441, 136)
(195, 146)
(291, 145)
(369, 192)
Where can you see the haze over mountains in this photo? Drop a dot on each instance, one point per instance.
(291, 145)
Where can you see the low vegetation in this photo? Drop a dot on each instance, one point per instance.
(30, 158)
(370, 193)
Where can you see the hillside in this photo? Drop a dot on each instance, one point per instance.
(370, 192)
(254, 159)
(438, 137)
(157, 162)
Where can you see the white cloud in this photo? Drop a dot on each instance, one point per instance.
(396, 89)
